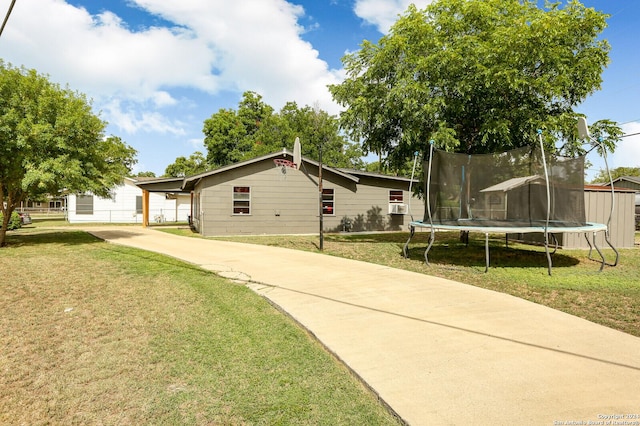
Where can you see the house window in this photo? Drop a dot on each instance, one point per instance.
(328, 200)
(84, 204)
(138, 204)
(241, 200)
(396, 196)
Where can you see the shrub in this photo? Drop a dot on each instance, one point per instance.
(14, 222)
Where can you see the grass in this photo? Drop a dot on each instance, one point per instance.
(610, 297)
(95, 333)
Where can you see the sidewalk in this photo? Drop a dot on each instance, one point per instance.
(436, 351)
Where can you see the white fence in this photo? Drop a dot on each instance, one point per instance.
(129, 216)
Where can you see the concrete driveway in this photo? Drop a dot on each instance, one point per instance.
(435, 351)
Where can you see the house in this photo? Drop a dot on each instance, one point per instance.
(273, 195)
(125, 205)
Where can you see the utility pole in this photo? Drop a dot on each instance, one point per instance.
(320, 196)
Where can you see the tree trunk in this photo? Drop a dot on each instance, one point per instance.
(5, 225)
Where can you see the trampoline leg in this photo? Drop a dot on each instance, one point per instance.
(606, 238)
(486, 252)
(586, 237)
(546, 250)
(432, 237)
(405, 249)
(599, 252)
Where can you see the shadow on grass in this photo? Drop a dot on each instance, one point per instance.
(44, 237)
(449, 250)
(499, 256)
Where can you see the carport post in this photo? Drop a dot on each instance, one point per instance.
(145, 208)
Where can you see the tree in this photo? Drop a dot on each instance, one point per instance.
(196, 163)
(603, 177)
(50, 140)
(475, 76)
(145, 174)
(255, 129)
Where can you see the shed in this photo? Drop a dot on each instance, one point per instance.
(597, 210)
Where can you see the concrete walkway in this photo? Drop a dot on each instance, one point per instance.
(436, 351)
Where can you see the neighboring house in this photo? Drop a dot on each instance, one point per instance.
(125, 206)
(259, 196)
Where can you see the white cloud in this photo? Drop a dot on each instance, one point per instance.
(627, 152)
(215, 46)
(258, 47)
(383, 13)
(132, 120)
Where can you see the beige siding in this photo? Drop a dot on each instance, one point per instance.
(598, 208)
(289, 203)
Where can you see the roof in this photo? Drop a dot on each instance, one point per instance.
(190, 181)
(512, 183)
(376, 175)
(173, 184)
(187, 184)
(632, 179)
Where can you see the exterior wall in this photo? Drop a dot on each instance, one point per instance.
(598, 208)
(624, 183)
(289, 203)
(121, 208)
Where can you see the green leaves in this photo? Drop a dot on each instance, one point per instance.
(50, 140)
(475, 75)
(255, 129)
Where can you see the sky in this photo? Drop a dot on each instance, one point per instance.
(156, 69)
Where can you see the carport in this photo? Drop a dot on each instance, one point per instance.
(167, 185)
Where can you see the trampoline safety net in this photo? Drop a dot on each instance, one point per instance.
(506, 189)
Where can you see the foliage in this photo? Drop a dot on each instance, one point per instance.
(255, 129)
(145, 174)
(475, 76)
(616, 173)
(196, 163)
(14, 223)
(50, 140)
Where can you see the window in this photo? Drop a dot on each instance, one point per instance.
(328, 200)
(84, 204)
(241, 200)
(138, 204)
(396, 196)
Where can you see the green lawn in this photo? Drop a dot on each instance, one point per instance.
(95, 333)
(610, 297)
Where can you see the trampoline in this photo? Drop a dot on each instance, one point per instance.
(524, 190)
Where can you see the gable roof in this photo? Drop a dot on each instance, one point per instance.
(191, 181)
(187, 184)
(512, 183)
(632, 179)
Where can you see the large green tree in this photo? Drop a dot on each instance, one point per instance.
(475, 76)
(256, 129)
(603, 176)
(50, 140)
(196, 163)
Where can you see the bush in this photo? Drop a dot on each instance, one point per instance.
(14, 222)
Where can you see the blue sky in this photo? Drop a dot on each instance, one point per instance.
(156, 69)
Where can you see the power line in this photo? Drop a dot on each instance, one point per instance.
(6, 18)
(630, 134)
